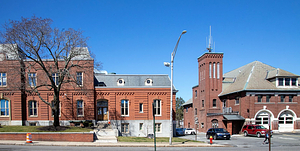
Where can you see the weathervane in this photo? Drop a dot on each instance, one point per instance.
(209, 48)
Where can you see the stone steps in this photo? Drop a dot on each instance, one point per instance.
(105, 134)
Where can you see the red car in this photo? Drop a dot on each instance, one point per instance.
(256, 130)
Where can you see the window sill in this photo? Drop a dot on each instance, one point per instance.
(287, 102)
(33, 116)
(264, 103)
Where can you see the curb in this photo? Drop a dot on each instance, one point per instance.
(119, 144)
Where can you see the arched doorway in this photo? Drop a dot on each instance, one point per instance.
(262, 118)
(286, 121)
(102, 110)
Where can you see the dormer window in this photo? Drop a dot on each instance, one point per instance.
(287, 82)
(121, 82)
(148, 82)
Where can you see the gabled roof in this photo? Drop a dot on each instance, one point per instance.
(133, 81)
(253, 76)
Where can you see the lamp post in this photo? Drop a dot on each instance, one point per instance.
(171, 102)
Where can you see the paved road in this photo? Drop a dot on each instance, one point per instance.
(278, 141)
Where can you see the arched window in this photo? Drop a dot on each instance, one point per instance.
(218, 70)
(214, 123)
(210, 70)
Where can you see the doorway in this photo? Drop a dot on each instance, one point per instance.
(102, 110)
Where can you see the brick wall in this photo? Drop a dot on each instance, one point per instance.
(70, 137)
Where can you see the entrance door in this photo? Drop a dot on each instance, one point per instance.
(286, 122)
(102, 110)
(102, 113)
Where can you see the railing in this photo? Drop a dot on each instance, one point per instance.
(227, 110)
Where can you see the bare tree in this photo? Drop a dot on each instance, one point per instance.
(57, 53)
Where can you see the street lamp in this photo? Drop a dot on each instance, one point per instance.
(171, 105)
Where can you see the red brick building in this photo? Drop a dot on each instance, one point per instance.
(123, 100)
(255, 93)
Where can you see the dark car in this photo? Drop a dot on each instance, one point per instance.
(217, 133)
(179, 131)
(256, 130)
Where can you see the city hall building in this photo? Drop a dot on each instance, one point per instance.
(255, 93)
(124, 101)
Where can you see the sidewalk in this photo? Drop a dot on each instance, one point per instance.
(119, 144)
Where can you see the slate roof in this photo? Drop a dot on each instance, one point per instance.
(190, 101)
(132, 81)
(253, 76)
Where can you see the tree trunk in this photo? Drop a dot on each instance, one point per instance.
(56, 109)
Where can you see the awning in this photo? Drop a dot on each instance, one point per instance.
(233, 118)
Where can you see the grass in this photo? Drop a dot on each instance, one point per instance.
(158, 139)
(35, 129)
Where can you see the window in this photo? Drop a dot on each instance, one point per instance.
(157, 127)
(202, 125)
(214, 123)
(195, 93)
(32, 79)
(259, 98)
(125, 128)
(157, 104)
(291, 98)
(195, 111)
(148, 82)
(80, 108)
(141, 107)
(210, 70)
(287, 82)
(214, 70)
(32, 108)
(186, 109)
(268, 98)
(52, 104)
(3, 79)
(280, 81)
(282, 98)
(294, 82)
(218, 70)
(237, 101)
(121, 82)
(4, 107)
(124, 107)
(214, 103)
(79, 78)
(55, 78)
(141, 126)
(202, 103)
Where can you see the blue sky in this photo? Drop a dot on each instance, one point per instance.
(137, 36)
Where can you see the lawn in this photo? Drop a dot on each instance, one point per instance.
(158, 139)
(35, 129)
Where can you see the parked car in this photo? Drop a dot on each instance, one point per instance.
(190, 131)
(217, 133)
(179, 131)
(256, 130)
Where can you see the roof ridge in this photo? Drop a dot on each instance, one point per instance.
(246, 84)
